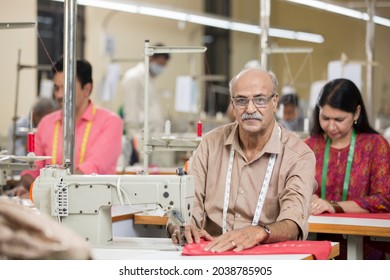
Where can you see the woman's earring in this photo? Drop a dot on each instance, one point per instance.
(355, 122)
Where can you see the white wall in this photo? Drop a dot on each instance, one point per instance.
(12, 41)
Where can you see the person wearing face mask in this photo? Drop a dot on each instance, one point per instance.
(132, 86)
(353, 160)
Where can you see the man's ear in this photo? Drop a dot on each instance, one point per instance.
(88, 88)
(275, 101)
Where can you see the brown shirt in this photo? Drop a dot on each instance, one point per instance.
(291, 186)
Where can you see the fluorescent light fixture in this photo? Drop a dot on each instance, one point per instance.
(382, 21)
(288, 50)
(245, 27)
(342, 11)
(197, 18)
(209, 21)
(288, 34)
(167, 13)
(111, 5)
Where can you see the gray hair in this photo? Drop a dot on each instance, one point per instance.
(271, 74)
(44, 106)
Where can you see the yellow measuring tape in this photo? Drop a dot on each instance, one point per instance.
(83, 143)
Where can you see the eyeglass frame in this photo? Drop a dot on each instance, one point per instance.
(267, 98)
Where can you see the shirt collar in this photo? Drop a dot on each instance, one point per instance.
(273, 145)
(87, 114)
(56, 115)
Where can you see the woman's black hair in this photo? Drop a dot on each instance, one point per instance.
(344, 95)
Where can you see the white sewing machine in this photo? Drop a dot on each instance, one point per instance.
(83, 202)
(10, 163)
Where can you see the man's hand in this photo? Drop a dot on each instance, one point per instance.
(20, 191)
(237, 240)
(190, 234)
(25, 234)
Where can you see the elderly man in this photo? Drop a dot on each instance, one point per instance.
(254, 179)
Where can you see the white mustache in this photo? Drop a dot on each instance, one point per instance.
(254, 116)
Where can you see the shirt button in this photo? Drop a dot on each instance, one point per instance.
(238, 215)
(242, 191)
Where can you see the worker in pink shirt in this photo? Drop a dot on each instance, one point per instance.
(98, 132)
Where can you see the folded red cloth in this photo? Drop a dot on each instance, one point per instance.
(319, 249)
(384, 216)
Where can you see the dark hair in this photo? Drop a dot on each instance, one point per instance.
(164, 55)
(289, 99)
(83, 70)
(344, 95)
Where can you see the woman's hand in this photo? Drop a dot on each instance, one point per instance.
(319, 205)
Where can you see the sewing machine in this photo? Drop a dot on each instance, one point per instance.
(83, 202)
(9, 163)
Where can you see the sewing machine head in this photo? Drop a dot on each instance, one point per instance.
(83, 202)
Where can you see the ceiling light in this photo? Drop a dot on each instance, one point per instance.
(245, 27)
(167, 13)
(111, 5)
(341, 10)
(209, 21)
(203, 19)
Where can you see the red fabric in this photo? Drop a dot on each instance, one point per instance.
(381, 216)
(370, 172)
(319, 249)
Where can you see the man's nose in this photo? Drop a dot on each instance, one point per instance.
(251, 108)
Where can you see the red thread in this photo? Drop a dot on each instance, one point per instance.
(199, 134)
(30, 142)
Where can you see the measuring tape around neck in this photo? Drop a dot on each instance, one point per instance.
(262, 195)
(84, 142)
(347, 169)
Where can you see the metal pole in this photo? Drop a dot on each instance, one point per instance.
(146, 108)
(69, 83)
(265, 12)
(370, 30)
(15, 118)
(149, 51)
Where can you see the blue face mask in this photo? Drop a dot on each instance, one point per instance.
(156, 69)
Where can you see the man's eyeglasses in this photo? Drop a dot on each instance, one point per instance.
(259, 101)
